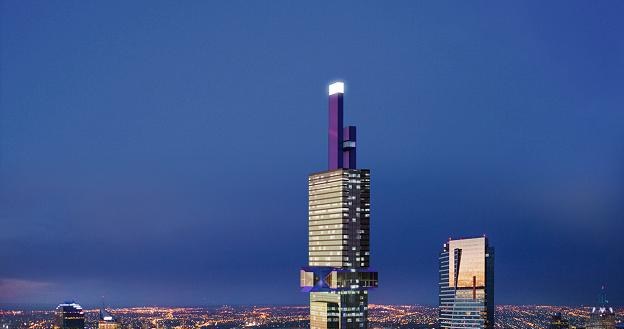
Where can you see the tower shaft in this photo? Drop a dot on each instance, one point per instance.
(338, 275)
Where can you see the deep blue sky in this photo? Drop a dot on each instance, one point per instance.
(158, 152)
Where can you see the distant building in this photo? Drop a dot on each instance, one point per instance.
(466, 298)
(107, 321)
(602, 316)
(69, 315)
(558, 322)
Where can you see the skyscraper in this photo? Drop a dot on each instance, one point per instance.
(601, 316)
(466, 296)
(338, 275)
(69, 315)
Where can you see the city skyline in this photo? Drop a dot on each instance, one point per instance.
(157, 154)
(264, 317)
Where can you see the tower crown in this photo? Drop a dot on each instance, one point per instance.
(336, 88)
(341, 146)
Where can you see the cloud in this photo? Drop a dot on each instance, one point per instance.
(18, 290)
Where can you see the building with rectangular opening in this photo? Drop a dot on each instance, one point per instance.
(466, 298)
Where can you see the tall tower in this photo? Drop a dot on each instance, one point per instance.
(602, 316)
(466, 284)
(338, 275)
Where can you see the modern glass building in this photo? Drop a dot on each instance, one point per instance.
(338, 275)
(466, 298)
(69, 315)
(601, 316)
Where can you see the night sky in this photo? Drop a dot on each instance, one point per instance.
(158, 152)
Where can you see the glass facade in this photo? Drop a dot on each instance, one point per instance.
(466, 297)
(602, 316)
(339, 249)
(601, 319)
(338, 218)
(104, 324)
(69, 316)
(324, 314)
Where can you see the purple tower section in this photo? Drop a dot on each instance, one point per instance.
(336, 92)
(348, 148)
(341, 147)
